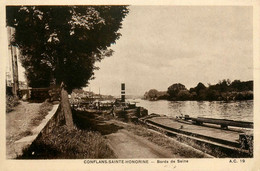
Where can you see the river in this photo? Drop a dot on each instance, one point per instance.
(236, 110)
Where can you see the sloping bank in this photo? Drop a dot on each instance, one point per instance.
(132, 140)
(100, 135)
(55, 142)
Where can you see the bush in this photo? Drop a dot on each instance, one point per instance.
(11, 102)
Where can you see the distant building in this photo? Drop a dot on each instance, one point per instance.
(23, 85)
(12, 76)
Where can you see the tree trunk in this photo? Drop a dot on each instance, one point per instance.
(65, 108)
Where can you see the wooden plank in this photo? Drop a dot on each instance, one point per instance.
(230, 151)
(223, 122)
(217, 135)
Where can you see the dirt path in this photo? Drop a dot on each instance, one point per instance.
(124, 143)
(127, 145)
(18, 124)
(129, 140)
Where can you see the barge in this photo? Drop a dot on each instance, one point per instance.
(228, 137)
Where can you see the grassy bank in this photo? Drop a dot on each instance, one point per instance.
(64, 144)
(79, 143)
(43, 111)
(87, 140)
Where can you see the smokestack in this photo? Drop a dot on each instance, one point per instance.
(122, 92)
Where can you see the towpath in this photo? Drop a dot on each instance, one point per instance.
(23, 125)
(128, 140)
(135, 142)
(127, 145)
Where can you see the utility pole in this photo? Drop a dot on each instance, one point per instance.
(99, 93)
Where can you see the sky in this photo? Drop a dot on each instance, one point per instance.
(163, 45)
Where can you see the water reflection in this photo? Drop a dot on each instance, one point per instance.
(240, 110)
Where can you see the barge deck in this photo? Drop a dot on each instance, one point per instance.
(228, 140)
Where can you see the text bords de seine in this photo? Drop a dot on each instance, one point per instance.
(132, 161)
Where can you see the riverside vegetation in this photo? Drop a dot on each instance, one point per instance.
(11, 102)
(62, 143)
(89, 139)
(224, 90)
(83, 141)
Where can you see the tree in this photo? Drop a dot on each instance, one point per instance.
(153, 94)
(212, 95)
(183, 95)
(62, 43)
(163, 95)
(199, 87)
(237, 85)
(224, 85)
(174, 89)
(200, 90)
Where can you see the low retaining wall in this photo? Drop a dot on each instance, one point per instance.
(56, 120)
(53, 119)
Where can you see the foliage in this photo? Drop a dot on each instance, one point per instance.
(154, 94)
(199, 87)
(64, 144)
(183, 95)
(174, 89)
(212, 94)
(200, 91)
(62, 43)
(223, 90)
(239, 86)
(221, 86)
(163, 95)
(11, 102)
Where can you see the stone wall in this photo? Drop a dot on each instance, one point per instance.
(56, 120)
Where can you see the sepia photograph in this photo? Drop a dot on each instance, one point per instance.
(129, 84)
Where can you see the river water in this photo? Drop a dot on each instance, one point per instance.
(238, 110)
